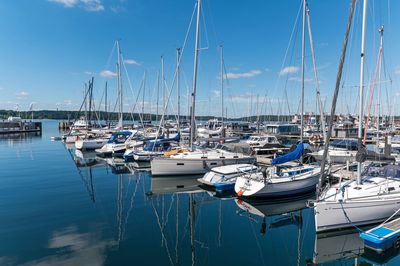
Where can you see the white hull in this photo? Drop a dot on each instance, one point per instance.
(257, 188)
(331, 215)
(70, 139)
(341, 157)
(111, 149)
(180, 166)
(92, 144)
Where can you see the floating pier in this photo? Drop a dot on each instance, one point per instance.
(19, 126)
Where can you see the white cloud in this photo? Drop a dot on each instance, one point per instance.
(131, 62)
(267, 69)
(289, 69)
(252, 73)
(89, 73)
(299, 79)
(246, 97)
(107, 74)
(1, 88)
(216, 92)
(68, 102)
(22, 93)
(66, 3)
(89, 5)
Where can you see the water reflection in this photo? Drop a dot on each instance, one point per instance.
(347, 245)
(96, 211)
(74, 248)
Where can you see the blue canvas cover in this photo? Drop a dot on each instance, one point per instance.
(294, 155)
(345, 143)
(156, 146)
(119, 137)
(176, 138)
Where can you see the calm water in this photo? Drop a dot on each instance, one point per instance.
(56, 209)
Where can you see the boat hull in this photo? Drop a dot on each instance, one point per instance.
(257, 189)
(169, 166)
(335, 215)
(338, 159)
(89, 144)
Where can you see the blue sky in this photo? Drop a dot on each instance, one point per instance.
(50, 48)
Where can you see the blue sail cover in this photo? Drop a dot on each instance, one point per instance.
(294, 155)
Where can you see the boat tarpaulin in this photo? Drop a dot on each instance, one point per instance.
(392, 171)
(294, 155)
(366, 155)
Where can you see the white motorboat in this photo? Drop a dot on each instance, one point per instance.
(261, 140)
(91, 142)
(223, 178)
(340, 151)
(280, 181)
(201, 161)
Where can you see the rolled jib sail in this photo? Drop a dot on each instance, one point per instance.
(294, 155)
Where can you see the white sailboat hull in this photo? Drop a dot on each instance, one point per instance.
(180, 166)
(332, 215)
(257, 188)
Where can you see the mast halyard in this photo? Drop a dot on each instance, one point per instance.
(361, 113)
(196, 51)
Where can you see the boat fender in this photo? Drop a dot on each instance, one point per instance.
(264, 173)
(240, 193)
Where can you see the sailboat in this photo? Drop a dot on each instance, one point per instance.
(283, 180)
(197, 161)
(280, 180)
(368, 199)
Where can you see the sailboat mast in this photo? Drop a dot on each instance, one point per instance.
(162, 82)
(379, 90)
(158, 92)
(144, 89)
(105, 106)
(222, 88)
(361, 115)
(196, 51)
(302, 71)
(120, 122)
(178, 53)
(322, 118)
